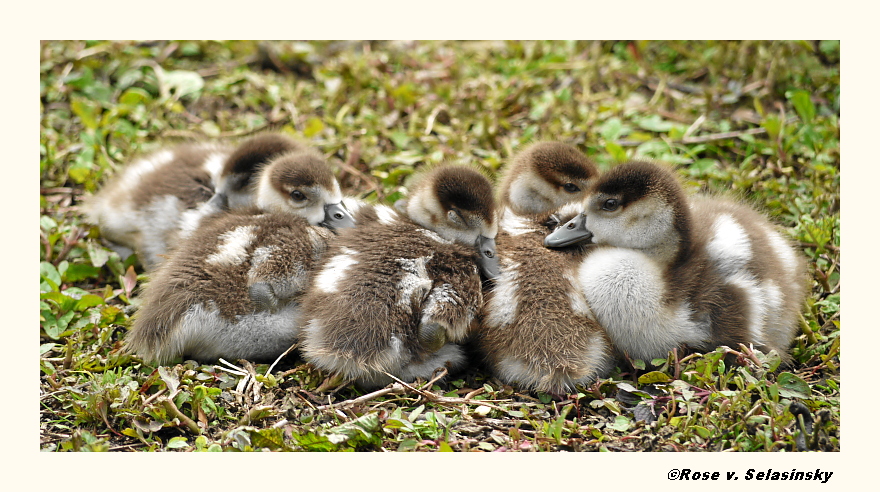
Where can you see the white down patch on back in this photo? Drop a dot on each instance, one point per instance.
(386, 214)
(504, 301)
(626, 290)
(444, 295)
(729, 247)
(515, 225)
(434, 236)
(756, 305)
(259, 257)
(138, 169)
(334, 270)
(214, 165)
(415, 284)
(159, 223)
(190, 219)
(783, 251)
(233, 247)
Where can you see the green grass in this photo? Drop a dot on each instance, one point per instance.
(755, 119)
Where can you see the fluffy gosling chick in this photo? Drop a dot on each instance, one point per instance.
(537, 329)
(161, 198)
(397, 294)
(231, 289)
(672, 273)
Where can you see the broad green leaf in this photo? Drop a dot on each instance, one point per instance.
(47, 347)
(800, 99)
(655, 123)
(49, 272)
(87, 111)
(81, 171)
(47, 224)
(621, 424)
(183, 82)
(612, 129)
(616, 151)
(313, 127)
(791, 386)
(177, 443)
(415, 413)
(400, 139)
(702, 431)
(80, 271)
(773, 125)
(97, 255)
(272, 438)
(134, 96)
(87, 301)
(654, 377)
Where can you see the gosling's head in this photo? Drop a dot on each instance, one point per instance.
(234, 189)
(636, 205)
(544, 177)
(301, 183)
(456, 202)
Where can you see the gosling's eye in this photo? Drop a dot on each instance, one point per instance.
(297, 195)
(610, 204)
(571, 187)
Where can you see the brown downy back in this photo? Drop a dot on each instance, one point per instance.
(216, 265)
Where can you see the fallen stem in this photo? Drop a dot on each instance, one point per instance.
(806, 330)
(269, 370)
(443, 400)
(171, 408)
(394, 389)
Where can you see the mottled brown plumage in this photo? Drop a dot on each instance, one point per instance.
(395, 294)
(536, 328)
(159, 199)
(231, 289)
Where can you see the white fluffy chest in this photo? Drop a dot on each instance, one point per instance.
(626, 290)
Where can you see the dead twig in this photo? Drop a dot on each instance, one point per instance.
(394, 389)
(269, 370)
(447, 401)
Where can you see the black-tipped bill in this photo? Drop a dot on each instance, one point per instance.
(336, 216)
(488, 259)
(219, 201)
(572, 232)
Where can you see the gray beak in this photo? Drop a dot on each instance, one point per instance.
(219, 201)
(336, 216)
(488, 260)
(572, 232)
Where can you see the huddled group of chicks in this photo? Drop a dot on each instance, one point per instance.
(549, 279)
